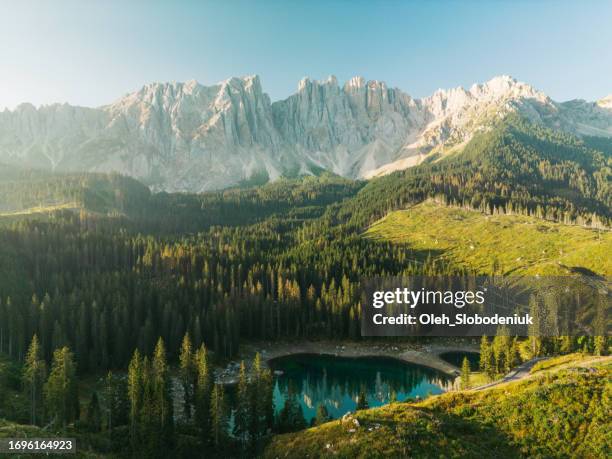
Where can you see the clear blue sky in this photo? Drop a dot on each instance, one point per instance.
(91, 53)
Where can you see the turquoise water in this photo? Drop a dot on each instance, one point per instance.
(456, 358)
(337, 381)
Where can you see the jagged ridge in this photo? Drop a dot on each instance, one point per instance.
(190, 137)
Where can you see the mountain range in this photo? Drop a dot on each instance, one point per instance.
(190, 137)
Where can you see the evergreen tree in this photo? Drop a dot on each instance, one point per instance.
(599, 345)
(566, 345)
(486, 358)
(322, 415)
(291, 417)
(203, 391)
(501, 350)
(117, 404)
(266, 397)
(162, 392)
(61, 391)
(93, 415)
(262, 404)
(187, 373)
(465, 373)
(535, 329)
(600, 340)
(362, 400)
(244, 409)
(218, 417)
(515, 354)
(135, 389)
(34, 374)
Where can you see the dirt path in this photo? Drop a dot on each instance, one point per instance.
(520, 372)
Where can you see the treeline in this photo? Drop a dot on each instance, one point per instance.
(504, 352)
(125, 198)
(111, 194)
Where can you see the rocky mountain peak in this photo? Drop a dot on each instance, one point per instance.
(187, 136)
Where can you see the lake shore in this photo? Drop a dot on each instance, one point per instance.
(421, 354)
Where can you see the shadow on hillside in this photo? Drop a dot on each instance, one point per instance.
(458, 436)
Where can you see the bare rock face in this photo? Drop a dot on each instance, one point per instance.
(190, 137)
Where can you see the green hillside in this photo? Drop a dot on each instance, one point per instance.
(516, 167)
(559, 412)
(518, 244)
(31, 191)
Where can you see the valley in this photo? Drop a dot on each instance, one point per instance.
(162, 309)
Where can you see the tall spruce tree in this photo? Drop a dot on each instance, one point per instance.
(93, 414)
(203, 391)
(187, 373)
(117, 409)
(218, 417)
(486, 358)
(291, 417)
(162, 393)
(322, 415)
(61, 390)
(244, 409)
(34, 374)
(262, 401)
(465, 373)
(135, 390)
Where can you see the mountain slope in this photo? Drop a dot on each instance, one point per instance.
(514, 167)
(190, 137)
(512, 420)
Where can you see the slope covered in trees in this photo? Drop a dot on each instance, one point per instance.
(516, 167)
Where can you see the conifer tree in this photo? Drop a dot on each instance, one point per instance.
(266, 397)
(535, 329)
(162, 392)
(515, 354)
(322, 415)
(486, 358)
(599, 345)
(291, 417)
(93, 415)
(567, 344)
(244, 409)
(218, 416)
(187, 373)
(262, 404)
(117, 404)
(465, 373)
(135, 389)
(203, 390)
(600, 340)
(34, 374)
(362, 400)
(61, 391)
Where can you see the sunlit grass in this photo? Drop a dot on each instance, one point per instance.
(518, 244)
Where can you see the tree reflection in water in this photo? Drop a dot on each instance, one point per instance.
(336, 381)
